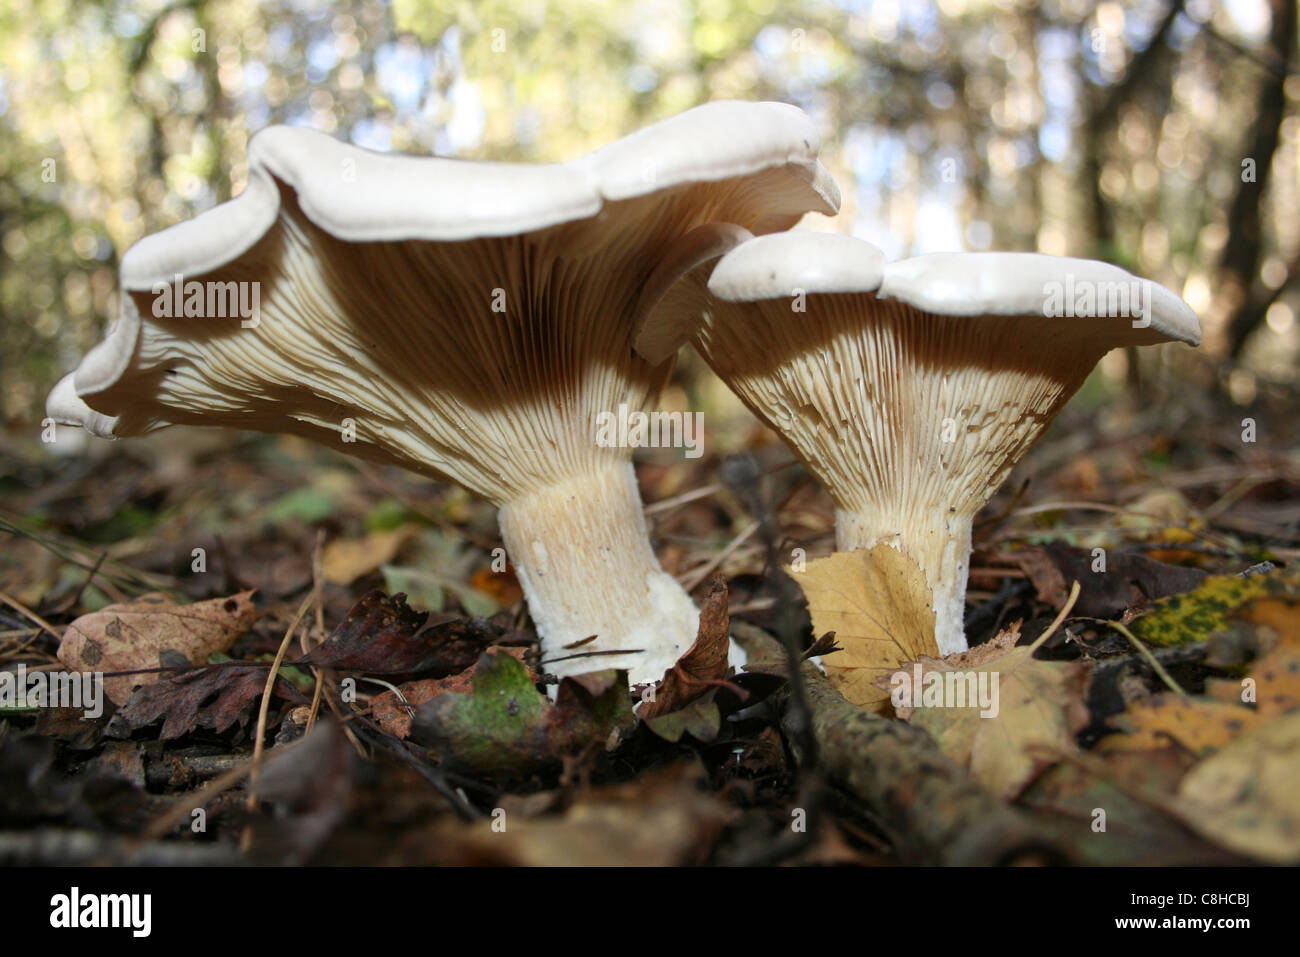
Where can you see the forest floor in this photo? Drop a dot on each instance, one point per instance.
(1157, 722)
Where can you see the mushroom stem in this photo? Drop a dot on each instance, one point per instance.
(940, 545)
(581, 551)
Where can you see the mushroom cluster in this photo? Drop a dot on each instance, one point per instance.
(473, 321)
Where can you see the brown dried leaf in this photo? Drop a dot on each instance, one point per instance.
(214, 697)
(663, 818)
(345, 560)
(703, 665)
(382, 635)
(133, 635)
(1128, 579)
(1203, 724)
(877, 603)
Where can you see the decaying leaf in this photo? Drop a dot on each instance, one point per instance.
(1269, 627)
(661, 819)
(701, 719)
(310, 783)
(505, 725)
(1198, 724)
(384, 636)
(1037, 707)
(133, 635)
(215, 697)
(395, 715)
(1205, 723)
(1198, 614)
(1107, 587)
(345, 560)
(1247, 796)
(1131, 789)
(877, 603)
(702, 666)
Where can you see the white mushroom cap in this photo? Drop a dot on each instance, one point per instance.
(910, 389)
(465, 320)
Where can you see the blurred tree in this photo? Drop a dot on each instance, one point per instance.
(1069, 126)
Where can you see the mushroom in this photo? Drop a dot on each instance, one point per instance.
(466, 320)
(909, 389)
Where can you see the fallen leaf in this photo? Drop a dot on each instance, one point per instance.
(1198, 724)
(877, 602)
(501, 587)
(425, 588)
(701, 719)
(703, 665)
(384, 636)
(1200, 613)
(1039, 709)
(395, 717)
(1067, 797)
(215, 697)
(1247, 796)
(133, 635)
(1272, 682)
(310, 784)
(1109, 584)
(345, 560)
(1203, 724)
(506, 725)
(663, 818)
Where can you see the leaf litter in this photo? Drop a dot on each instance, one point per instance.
(431, 712)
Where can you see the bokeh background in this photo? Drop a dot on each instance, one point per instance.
(1161, 135)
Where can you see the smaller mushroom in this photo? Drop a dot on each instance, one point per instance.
(909, 389)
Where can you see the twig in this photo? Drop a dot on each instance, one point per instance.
(932, 806)
(694, 495)
(89, 578)
(1151, 659)
(693, 579)
(318, 579)
(164, 823)
(26, 612)
(1056, 622)
(259, 739)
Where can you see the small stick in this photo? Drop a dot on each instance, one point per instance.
(318, 585)
(693, 579)
(1151, 659)
(1056, 622)
(259, 744)
(26, 612)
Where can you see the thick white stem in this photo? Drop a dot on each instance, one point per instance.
(582, 553)
(940, 545)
